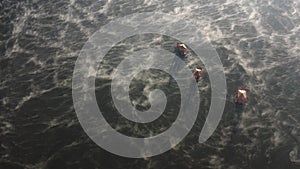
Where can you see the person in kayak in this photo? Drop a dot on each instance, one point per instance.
(182, 49)
(241, 96)
(197, 73)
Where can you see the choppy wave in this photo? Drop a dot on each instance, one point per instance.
(258, 43)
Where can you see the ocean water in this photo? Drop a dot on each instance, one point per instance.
(257, 42)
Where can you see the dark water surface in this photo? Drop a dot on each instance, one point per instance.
(257, 41)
